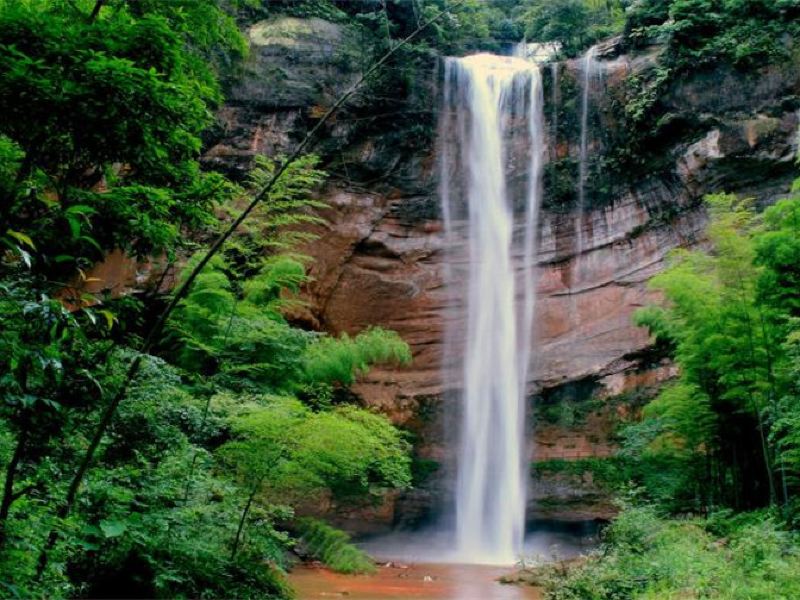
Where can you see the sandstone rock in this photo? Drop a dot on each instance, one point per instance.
(379, 260)
(380, 257)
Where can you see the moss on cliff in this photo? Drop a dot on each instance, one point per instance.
(604, 473)
(708, 39)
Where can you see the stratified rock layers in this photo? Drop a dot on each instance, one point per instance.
(378, 260)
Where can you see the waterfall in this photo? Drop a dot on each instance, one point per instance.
(554, 102)
(588, 63)
(492, 124)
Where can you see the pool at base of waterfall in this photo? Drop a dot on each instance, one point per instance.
(423, 565)
(545, 541)
(420, 581)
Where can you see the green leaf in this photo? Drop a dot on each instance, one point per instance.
(91, 241)
(21, 238)
(74, 227)
(110, 318)
(80, 209)
(113, 528)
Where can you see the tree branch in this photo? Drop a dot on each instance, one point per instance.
(96, 10)
(8, 487)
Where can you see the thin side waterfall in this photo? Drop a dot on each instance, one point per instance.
(492, 124)
(588, 63)
(554, 101)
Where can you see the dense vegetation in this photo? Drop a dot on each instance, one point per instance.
(710, 472)
(724, 556)
(191, 479)
(728, 424)
(473, 24)
(721, 440)
(187, 486)
(695, 36)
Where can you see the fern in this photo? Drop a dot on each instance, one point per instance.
(341, 360)
(333, 548)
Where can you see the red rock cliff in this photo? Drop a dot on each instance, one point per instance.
(378, 260)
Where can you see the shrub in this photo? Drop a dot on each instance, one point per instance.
(333, 547)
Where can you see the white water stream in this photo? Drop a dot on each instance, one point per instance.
(493, 125)
(588, 67)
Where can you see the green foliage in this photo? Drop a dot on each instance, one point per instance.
(341, 360)
(644, 556)
(137, 528)
(575, 24)
(724, 433)
(606, 473)
(332, 547)
(220, 333)
(560, 179)
(169, 542)
(354, 452)
(191, 489)
(290, 452)
(276, 224)
(778, 251)
(746, 33)
(469, 24)
(741, 36)
(83, 169)
(246, 337)
(671, 471)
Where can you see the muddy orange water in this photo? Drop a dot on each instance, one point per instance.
(417, 581)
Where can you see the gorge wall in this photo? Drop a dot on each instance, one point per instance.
(378, 258)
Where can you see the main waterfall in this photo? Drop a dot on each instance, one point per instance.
(492, 127)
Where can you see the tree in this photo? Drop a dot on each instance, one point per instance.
(730, 317)
(575, 24)
(88, 192)
(91, 173)
(283, 451)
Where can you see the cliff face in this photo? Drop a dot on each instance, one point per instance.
(379, 258)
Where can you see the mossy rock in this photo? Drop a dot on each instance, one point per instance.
(297, 62)
(294, 33)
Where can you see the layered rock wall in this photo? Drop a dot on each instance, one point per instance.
(378, 260)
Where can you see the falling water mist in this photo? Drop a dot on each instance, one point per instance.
(492, 123)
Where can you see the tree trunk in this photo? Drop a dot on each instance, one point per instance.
(96, 10)
(754, 379)
(8, 487)
(773, 398)
(243, 519)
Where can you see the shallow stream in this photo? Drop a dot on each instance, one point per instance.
(422, 581)
(422, 565)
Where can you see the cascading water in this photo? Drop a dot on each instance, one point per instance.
(492, 124)
(554, 101)
(587, 68)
